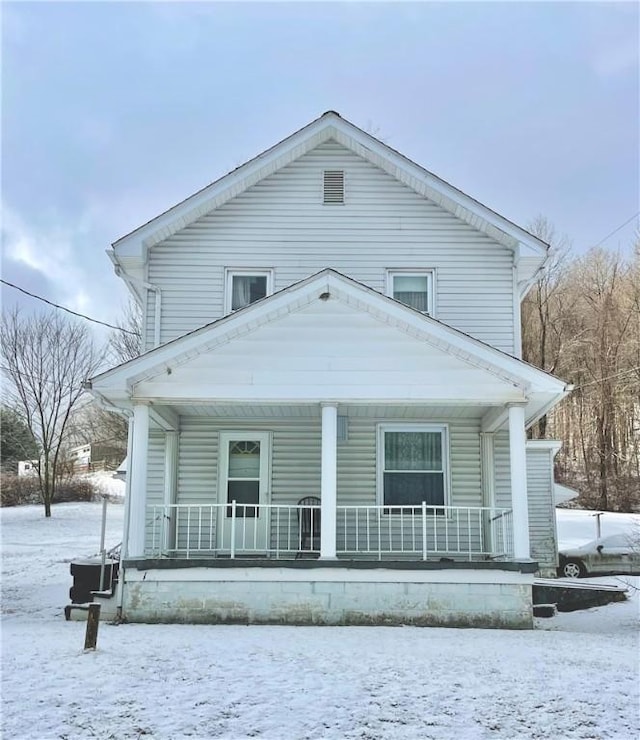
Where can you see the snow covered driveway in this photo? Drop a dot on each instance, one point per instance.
(574, 677)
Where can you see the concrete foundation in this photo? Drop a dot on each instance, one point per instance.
(331, 596)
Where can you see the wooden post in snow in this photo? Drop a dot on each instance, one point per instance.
(93, 620)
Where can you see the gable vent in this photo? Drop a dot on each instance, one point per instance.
(334, 186)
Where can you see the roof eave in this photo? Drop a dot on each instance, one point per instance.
(330, 125)
(480, 354)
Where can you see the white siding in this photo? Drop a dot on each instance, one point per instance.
(542, 525)
(155, 477)
(281, 223)
(296, 460)
(502, 470)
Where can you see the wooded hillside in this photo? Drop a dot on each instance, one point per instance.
(581, 321)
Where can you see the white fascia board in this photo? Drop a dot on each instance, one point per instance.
(537, 405)
(528, 241)
(547, 402)
(221, 331)
(477, 354)
(330, 125)
(228, 186)
(125, 273)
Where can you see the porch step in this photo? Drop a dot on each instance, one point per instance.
(545, 610)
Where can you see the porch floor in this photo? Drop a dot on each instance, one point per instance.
(445, 563)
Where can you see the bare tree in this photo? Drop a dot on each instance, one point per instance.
(602, 365)
(126, 343)
(47, 358)
(545, 313)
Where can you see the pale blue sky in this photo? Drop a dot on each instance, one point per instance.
(113, 112)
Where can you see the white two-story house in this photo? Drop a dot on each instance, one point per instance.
(328, 420)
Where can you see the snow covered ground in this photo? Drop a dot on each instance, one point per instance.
(575, 676)
(577, 527)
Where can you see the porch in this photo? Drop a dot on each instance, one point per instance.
(372, 532)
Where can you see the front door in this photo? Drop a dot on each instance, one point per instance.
(244, 478)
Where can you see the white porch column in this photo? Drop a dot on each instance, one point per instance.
(170, 487)
(137, 469)
(329, 481)
(519, 500)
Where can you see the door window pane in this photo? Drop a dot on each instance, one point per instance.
(244, 459)
(243, 478)
(243, 492)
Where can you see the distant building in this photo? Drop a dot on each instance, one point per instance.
(27, 468)
(94, 456)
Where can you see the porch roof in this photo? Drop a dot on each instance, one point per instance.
(328, 338)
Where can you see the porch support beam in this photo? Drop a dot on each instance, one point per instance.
(519, 499)
(127, 491)
(487, 475)
(170, 486)
(138, 472)
(494, 419)
(487, 469)
(165, 418)
(329, 481)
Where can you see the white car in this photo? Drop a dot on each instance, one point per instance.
(615, 554)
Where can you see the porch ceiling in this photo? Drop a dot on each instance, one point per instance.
(364, 411)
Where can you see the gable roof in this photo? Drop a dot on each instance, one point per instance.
(518, 379)
(530, 250)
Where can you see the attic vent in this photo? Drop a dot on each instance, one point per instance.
(334, 186)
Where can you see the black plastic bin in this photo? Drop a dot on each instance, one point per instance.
(86, 578)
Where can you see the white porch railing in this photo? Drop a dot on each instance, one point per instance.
(273, 530)
(425, 531)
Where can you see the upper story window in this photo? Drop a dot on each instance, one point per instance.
(333, 192)
(246, 286)
(413, 288)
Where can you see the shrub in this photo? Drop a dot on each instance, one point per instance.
(19, 490)
(75, 488)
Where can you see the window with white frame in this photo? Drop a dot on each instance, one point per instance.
(413, 288)
(413, 461)
(244, 287)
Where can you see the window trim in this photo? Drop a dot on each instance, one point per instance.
(231, 272)
(384, 427)
(428, 272)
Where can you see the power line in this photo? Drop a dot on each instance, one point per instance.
(629, 371)
(31, 378)
(615, 231)
(68, 310)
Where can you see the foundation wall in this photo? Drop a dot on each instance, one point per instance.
(379, 597)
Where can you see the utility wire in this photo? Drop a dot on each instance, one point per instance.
(615, 231)
(609, 377)
(68, 310)
(26, 376)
